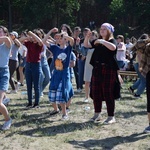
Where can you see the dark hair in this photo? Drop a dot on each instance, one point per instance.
(94, 32)
(77, 28)
(24, 33)
(69, 31)
(42, 32)
(120, 37)
(38, 33)
(86, 29)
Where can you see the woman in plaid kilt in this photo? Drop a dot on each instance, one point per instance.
(104, 73)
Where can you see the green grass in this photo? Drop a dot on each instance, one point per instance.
(35, 129)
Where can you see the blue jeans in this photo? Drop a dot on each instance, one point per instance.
(32, 74)
(81, 64)
(4, 78)
(120, 64)
(140, 84)
(45, 76)
(76, 74)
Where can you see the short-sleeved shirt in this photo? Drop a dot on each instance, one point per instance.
(34, 52)
(121, 52)
(22, 49)
(4, 55)
(72, 58)
(63, 76)
(63, 54)
(14, 52)
(102, 54)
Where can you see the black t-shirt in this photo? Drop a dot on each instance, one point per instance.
(102, 54)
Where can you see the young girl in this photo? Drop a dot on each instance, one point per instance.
(13, 60)
(104, 72)
(23, 53)
(5, 47)
(60, 90)
(33, 66)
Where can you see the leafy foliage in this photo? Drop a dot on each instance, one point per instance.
(128, 17)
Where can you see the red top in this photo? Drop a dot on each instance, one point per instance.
(34, 52)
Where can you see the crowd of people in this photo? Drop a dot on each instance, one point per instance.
(93, 58)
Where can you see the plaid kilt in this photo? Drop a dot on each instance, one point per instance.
(55, 96)
(103, 83)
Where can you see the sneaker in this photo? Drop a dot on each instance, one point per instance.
(147, 129)
(86, 100)
(17, 85)
(29, 105)
(131, 90)
(36, 106)
(96, 118)
(6, 101)
(79, 90)
(137, 96)
(54, 112)
(7, 124)
(110, 120)
(21, 84)
(65, 117)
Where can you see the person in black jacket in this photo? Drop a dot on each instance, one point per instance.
(104, 73)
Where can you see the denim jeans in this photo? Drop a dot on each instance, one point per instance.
(32, 74)
(81, 64)
(4, 78)
(120, 63)
(148, 91)
(45, 76)
(140, 84)
(76, 74)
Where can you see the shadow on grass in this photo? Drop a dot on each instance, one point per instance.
(53, 130)
(107, 143)
(128, 98)
(130, 113)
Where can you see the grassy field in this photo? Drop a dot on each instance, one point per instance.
(35, 129)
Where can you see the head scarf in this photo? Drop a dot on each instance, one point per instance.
(109, 27)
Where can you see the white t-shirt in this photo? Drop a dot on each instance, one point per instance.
(128, 46)
(121, 52)
(22, 49)
(43, 53)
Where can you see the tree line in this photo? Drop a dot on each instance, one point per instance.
(130, 17)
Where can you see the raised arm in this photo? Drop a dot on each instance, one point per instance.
(87, 43)
(17, 42)
(48, 35)
(69, 38)
(30, 33)
(6, 40)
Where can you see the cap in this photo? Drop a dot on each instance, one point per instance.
(14, 33)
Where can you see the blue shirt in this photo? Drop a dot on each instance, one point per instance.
(62, 75)
(4, 55)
